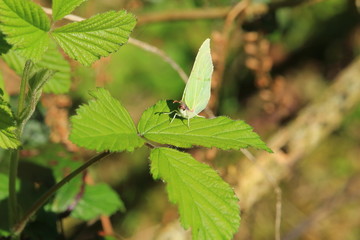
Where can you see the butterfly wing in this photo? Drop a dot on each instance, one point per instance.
(198, 88)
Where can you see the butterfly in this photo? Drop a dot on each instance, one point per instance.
(198, 87)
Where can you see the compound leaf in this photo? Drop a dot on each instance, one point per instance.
(220, 132)
(96, 37)
(206, 203)
(25, 25)
(104, 124)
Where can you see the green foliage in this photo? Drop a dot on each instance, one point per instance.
(4, 46)
(64, 7)
(25, 25)
(27, 28)
(8, 137)
(96, 37)
(155, 125)
(3, 94)
(36, 81)
(52, 60)
(206, 203)
(104, 124)
(97, 200)
(4, 186)
(67, 194)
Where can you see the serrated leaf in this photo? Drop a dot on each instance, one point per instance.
(104, 124)
(62, 8)
(61, 81)
(3, 94)
(8, 138)
(52, 60)
(206, 203)
(25, 25)
(97, 200)
(4, 46)
(221, 132)
(96, 37)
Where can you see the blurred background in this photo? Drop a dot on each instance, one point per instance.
(289, 68)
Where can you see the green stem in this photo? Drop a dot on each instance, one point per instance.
(14, 159)
(13, 207)
(23, 85)
(19, 227)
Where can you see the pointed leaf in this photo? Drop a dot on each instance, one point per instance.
(52, 60)
(62, 8)
(96, 37)
(25, 25)
(8, 137)
(4, 46)
(206, 203)
(220, 132)
(61, 81)
(104, 124)
(3, 94)
(97, 200)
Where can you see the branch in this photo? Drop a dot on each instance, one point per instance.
(194, 14)
(292, 143)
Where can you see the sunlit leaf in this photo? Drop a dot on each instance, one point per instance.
(8, 138)
(64, 7)
(104, 124)
(221, 132)
(52, 60)
(96, 37)
(206, 203)
(25, 25)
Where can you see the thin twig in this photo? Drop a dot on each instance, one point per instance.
(193, 14)
(150, 48)
(276, 187)
(19, 227)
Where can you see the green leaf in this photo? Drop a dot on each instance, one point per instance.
(8, 138)
(62, 8)
(96, 37)
(4, 186)
(97, 200)
(52, 60)
(4, 46)
(104, 124)
(25, 25)
(14, 61)
(206, 203)
(61, 81)
(220, 132)
(3, 94)
(66, 195)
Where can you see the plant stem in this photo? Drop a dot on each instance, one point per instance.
(23, 85)
(14, 159)
(13, 207)
(19, 227)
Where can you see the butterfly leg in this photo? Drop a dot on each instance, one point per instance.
(174, 116)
